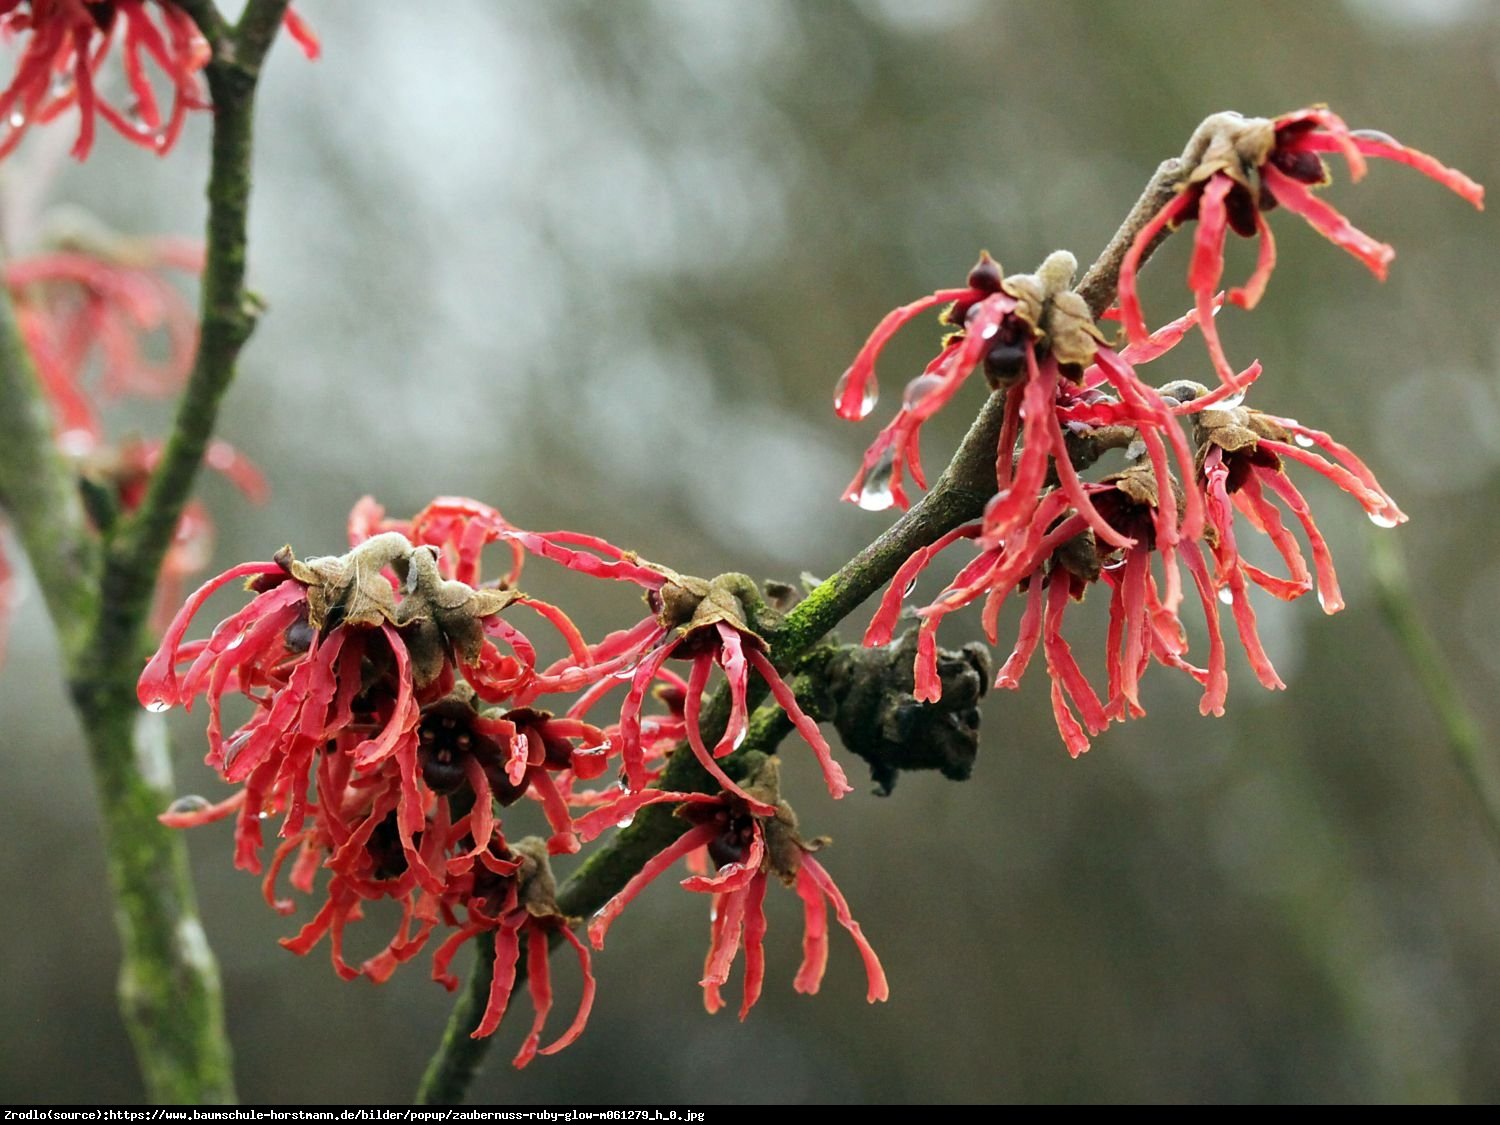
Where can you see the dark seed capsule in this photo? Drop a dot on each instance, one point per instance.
(1300, 164)
(298, 636)
(726, 848)
(985, 275)
(1004, 363)
(442, 771)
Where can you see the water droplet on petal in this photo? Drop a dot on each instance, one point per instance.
(1115, 562)
(625, 822)
(875, 494)
(76, 442)
(157, 706)
(1304, 441)
(713, 913)
(186, 805)
(262, 815)
(1380, 519)
(867, 399)
(17, 120)
(1329, 606)
(239, 639)
(1231, 402)
(910, 586)
(919, 388)
(1226, 595)
(625, 673)
(739, 739)
(160, 142)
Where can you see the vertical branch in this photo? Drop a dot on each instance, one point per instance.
(99, 601)
(227, 311)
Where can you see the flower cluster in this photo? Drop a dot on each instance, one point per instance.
(1047, 535)
(395, 705)
(66, 43)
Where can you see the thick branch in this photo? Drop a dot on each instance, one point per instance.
(169, 985)
(459, 1056)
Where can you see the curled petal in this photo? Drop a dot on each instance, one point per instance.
(1327, 221)
(875, 976)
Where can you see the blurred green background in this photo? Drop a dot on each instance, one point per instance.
(600, 264)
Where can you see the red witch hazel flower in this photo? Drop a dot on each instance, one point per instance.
(1237, 169)
(67, 42)
(1053, 562)
(510, 894)
(1036, 340)
(327, 654)
(695, 619)
(101, 303)
(747, 845)
(1049, 534)
(1243, 455)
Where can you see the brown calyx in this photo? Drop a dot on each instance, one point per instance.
(688, 604)
(1059, 317)
(437, 617)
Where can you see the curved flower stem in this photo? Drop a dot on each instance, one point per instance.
(957, 497)
(98, 593)
(1460, 728)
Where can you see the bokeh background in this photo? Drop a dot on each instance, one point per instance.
(600, 264)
